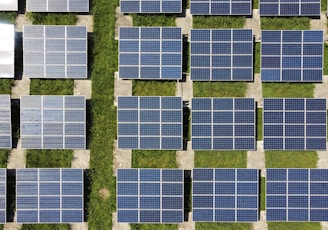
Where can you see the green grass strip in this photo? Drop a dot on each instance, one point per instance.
(49, 158)
(257, 56)
(52, 87)
(153, 88)
(4, 157)
(285, 23)
(52, 18)
(291, 159)
(224, 226)
(153, 20)
(8, 17)
(259, 124)
(46, 227)
(154, 159)
(222, 22)
(5, 85)
(262, 194)
(293, 226)
(219, 89)
(220, 159)
(291, 90)
(154, 226)
(325, 66)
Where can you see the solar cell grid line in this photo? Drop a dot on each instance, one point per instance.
(151, 6)
(223, 124)
(149, 122)
(290, 8)
(53, 122)
(7, 50)
(5, 122)
(49, 195)
(150, 195)
(225, 195)
(224, 7)
(294, 124)
(150, 53)
(292, 56)
(57, 6)
(221, 55)
(55, 51)
(297, 195)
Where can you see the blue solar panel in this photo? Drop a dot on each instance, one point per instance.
(290, 8)
(151, 6)
(49, 195)
(150, 53)
(223, 124)
(296, 194)
(221, 55)
(150, 123)
(225, 195)
(294, 124)
(224, 7)
(150, 195)
(292, 56)
(3, 194)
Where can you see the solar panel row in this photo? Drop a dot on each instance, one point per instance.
(53, 122)
(3, 194)
(57, 5)
(223, 123)
(296, 195)
(290, 8)
(150, 53)
(151, 6)
(5, 122)
(9, 5)
(294, 124)
(222, 7)
(7, 50)
(221, 55)
(55, 51)
(49, 195)
(150, 195)
(292, 56)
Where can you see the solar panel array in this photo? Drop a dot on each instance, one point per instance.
(8, 5)
(5, 122)
(221, 55)
(53, 122)
(150, 53)
(292, 56)
(3, 194)
(290, 8)
(150, 123)
(57, 5)
(151, 6)
(296, 195)
(225, 195)
(49, 195)
(150, 195)
(55, 51)
(294, 124)
(222, 7)
(7, 50)
(223, 123)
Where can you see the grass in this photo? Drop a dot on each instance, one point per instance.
(5, 85)
(219, 89)
(291, 159)
(220, 159)
(224, 226)
(222, 22)
(325, 64)
(8, 17)
(153, 20)
(154, 159)
(259, 124)
(293, 90)
(49, 158)
(52, 18)
(255, 4)
(285, 23)
(52, 87)
(153, 226)
(262, 193)
(46, 227)
(153, 88)
(3, 157)
(257, 56)
(293, 226)
(323, 6)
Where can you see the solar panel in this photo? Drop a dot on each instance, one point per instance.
(5, 122)
(223, 124)
(294, 124)
(8, 5)
(222, 7)
(49, 195)
(150, 123)
(57, 5)
(225, 195)
(55, 51)
(150, 195)
(221, 55)
(3, 193)
(290, 8)
(292, 56)
(298, 195)
(7, 50)
(151, 6)
(53, 122)
(150, 53)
